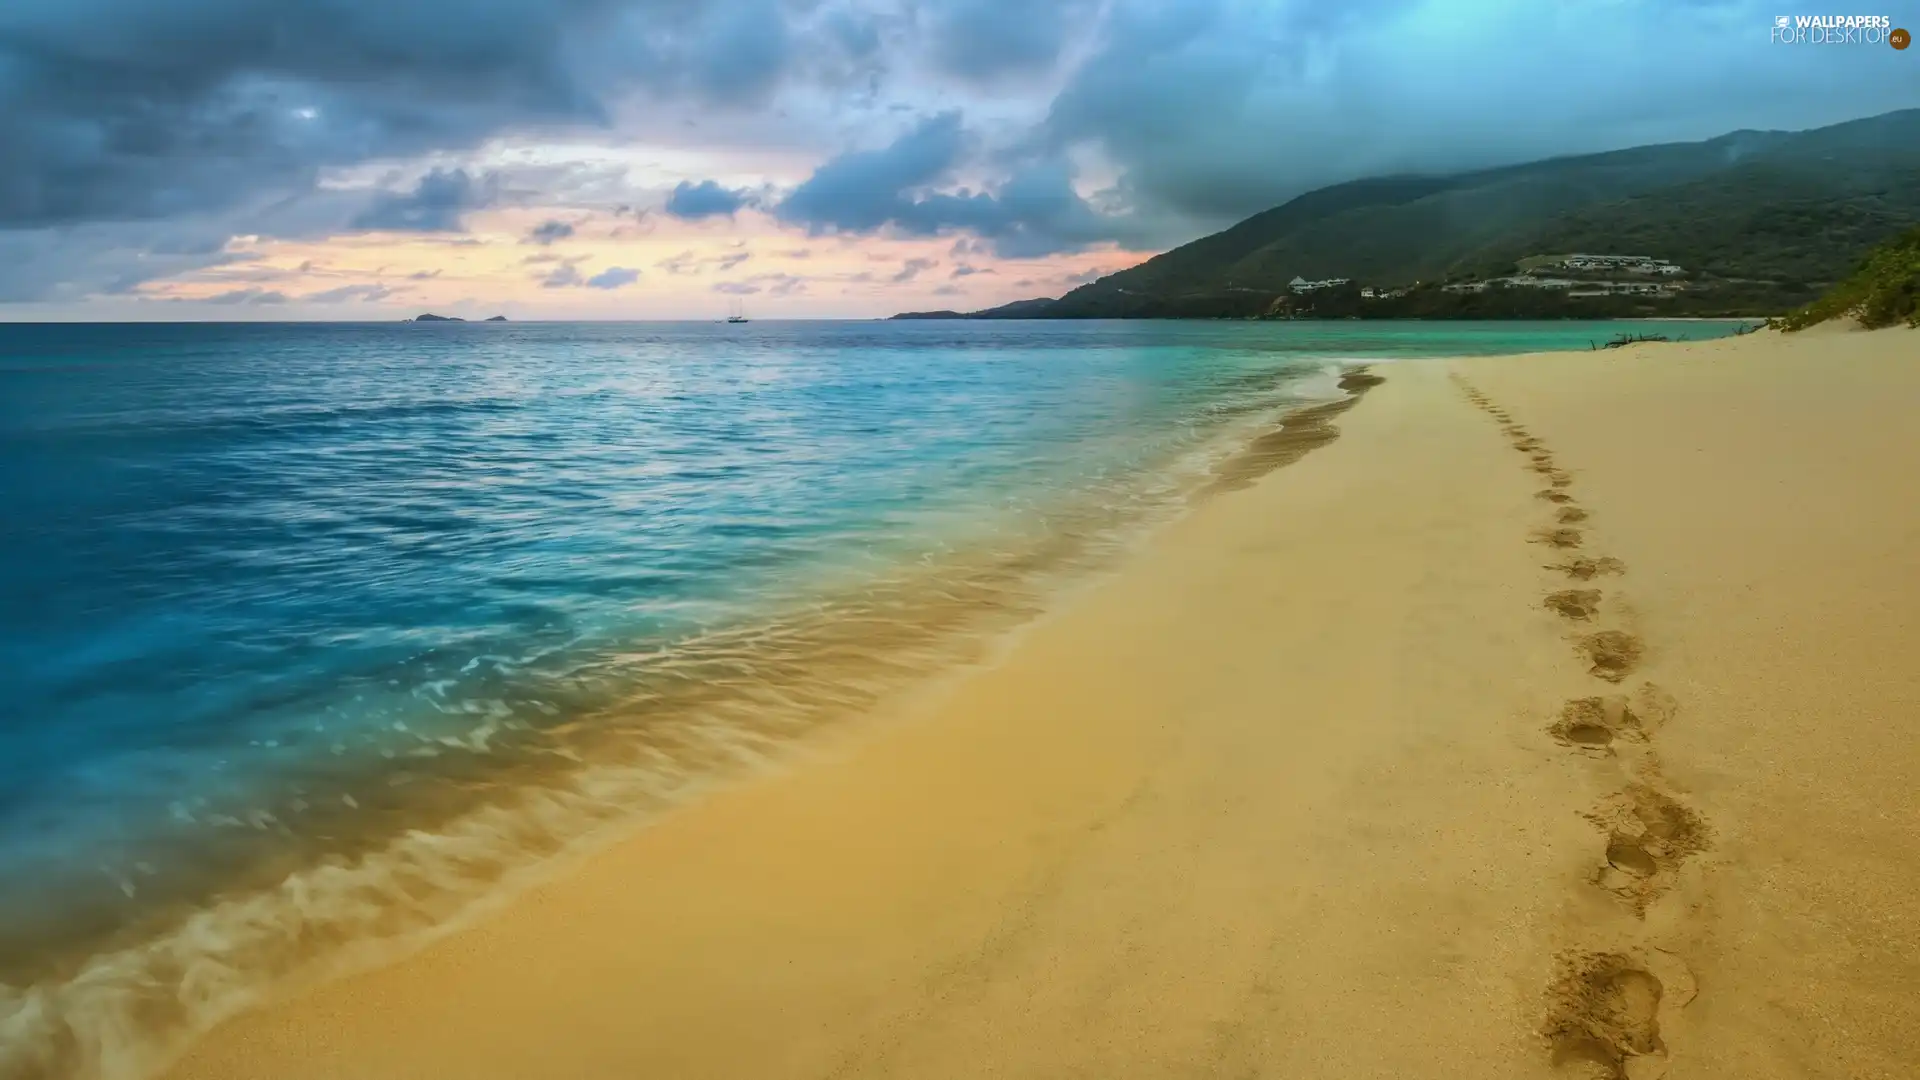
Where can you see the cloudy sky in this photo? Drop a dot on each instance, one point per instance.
(341, 159)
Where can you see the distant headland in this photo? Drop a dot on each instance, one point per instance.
(430, 317)
(1703, 229)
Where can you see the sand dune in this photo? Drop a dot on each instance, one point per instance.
(1553, 719)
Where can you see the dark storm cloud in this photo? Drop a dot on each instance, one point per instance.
(70, 262)
(436, 204)
(741, 51)
(693, 202)
(988, 39)
(1034, 212)
(123, 109)
(857, 34)
(862, 190)
(138, 137)
(126, 122)
(128, 109)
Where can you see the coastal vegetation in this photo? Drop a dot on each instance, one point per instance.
(1883, 291)
(1762, 222)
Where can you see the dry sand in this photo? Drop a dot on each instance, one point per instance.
(1574, 742)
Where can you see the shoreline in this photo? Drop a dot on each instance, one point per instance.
(1320, 734)
(1064, 744)
(92, 1017)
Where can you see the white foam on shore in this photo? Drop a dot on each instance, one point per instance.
(745, 702)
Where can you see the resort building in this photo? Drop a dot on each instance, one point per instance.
(1302, 285)
(1632, 264)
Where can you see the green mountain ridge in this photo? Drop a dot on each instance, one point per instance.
(1761, 220)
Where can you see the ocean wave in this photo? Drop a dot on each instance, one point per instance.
(660, 728)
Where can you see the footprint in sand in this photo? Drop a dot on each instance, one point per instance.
(1603, 1015)
(1593, 723)
(1553, 496)
(1580, 604)
(1585, 569)
(1612, 654)
(1560, 538)
(1571, 515)
(1649, 834)
(1590, 723)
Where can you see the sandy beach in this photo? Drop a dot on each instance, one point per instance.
(1553, 719)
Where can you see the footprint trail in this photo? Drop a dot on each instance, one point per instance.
(1604, 1005)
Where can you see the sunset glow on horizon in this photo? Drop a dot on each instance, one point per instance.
(664, 159)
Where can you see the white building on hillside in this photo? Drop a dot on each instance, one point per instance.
(1632, 264)
(1302, 285)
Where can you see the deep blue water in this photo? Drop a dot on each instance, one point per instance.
(256, 575)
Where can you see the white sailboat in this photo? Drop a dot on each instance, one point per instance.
(737, 313)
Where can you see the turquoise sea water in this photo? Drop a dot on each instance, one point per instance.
(315, 634)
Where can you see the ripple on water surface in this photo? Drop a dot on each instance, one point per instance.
(321, 633)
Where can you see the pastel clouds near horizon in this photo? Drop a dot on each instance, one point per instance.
(814, 158)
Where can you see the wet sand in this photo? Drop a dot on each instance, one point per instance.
(1552, 719)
